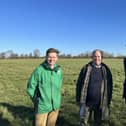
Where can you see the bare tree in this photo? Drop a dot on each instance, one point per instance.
(36, 53)
(30, 55)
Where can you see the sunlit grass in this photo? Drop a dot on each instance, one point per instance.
(16, 108)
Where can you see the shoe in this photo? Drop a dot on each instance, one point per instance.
(82, 124)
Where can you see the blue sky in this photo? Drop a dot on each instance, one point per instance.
(72, 26)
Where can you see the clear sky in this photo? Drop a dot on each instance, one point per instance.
(72, 26)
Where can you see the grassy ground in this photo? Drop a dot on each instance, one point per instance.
(16, 107)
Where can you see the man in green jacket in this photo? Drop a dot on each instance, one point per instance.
(44, 88)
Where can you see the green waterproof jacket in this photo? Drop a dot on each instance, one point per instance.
(44, 88)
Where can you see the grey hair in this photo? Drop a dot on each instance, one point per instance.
(93, 53)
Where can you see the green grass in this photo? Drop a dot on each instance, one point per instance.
(16, 108)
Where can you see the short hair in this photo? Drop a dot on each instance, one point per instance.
(51, 50)
(93, 53)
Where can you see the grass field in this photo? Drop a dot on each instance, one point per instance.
(16, 107)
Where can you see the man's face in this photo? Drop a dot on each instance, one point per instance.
(52, 58)
(97, 58)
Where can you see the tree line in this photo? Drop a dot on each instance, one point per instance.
(37, 54)
(10, 54)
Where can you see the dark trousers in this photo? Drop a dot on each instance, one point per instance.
(91, 116)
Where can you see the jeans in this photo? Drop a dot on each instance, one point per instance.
(91, 116)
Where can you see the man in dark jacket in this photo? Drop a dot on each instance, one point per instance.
(94, 90)
(124, 86)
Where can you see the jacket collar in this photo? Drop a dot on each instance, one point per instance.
(46, 66)
(94, 65)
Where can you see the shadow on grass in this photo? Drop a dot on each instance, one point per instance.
(26, 113)
(4, 122)
(68, 118)
(21, 112)
(63, 122)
